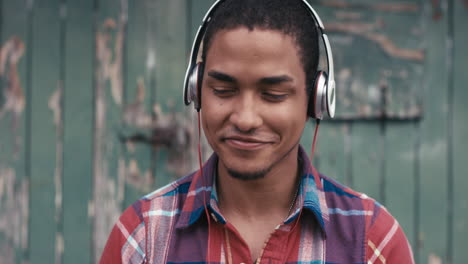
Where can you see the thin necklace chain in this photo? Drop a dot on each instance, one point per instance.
(293, 201)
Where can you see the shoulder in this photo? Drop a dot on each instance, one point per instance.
(147, 213)
(341, 198)
(365, 223)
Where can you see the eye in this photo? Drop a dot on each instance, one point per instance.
(274, 97)
(223, 92)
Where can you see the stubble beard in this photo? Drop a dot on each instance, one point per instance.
(248, 176)
(259, 174)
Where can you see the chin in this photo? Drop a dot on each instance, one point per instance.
(248, 175)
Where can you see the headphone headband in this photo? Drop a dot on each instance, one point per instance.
(326, 93)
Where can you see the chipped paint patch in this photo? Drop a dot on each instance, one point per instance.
(387, 7)
(429, 151)
(171, 131)
(384, 42)
(109, 189)
(12, 93)
(110, 55)
(142, 181)
(10, 54)
(55, 105)
(434, 259)
(14, 205)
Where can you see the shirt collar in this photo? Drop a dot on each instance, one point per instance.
(202, 191)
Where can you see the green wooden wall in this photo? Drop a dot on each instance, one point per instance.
(91, 117)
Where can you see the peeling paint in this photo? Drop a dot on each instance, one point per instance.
(434, 259)
(429, 151)
(387, 7)
(14, 205)
(59, 247)
(168, 130)
(140, 181)
(348, 15)
(55, 104)
(109, 191)
(387, 45)
(110, 60)
(135, 113)
(10, 54)
(436, 9)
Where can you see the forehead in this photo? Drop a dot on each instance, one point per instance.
(258, 47)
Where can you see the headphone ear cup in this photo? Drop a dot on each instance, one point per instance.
(201, 69)
(194, 85)
(318, 96)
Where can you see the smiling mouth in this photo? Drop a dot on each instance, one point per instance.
(245, 143)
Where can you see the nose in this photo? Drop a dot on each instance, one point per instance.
(245, 115)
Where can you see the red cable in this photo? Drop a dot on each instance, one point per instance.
(314, 140)
(200, 164)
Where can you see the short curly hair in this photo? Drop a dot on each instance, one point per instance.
(290, 17)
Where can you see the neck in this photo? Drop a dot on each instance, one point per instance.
(271, 195)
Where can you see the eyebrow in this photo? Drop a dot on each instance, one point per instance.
(275, 79)
(272, 80)
(222, 77)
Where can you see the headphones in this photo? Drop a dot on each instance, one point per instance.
(321, 99)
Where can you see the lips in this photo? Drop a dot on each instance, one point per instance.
(246, 143)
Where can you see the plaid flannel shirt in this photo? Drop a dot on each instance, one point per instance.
(330, 224)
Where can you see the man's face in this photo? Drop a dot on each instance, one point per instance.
(254, 101)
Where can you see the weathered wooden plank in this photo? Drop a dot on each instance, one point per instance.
(367, 157)
(460, 131)
(14, 183)
(177, 158)
(196, 11)
(333, 149)
(432, 240)
(400, 175)
(140, 74)
(109, 165)
(46, 138)
(78, 130)
(364, 33)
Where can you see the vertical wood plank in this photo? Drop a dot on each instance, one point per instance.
(14, 182)
(109, 164)
(367, 156)
(433, 136)
(45, 123)
(171, 61)
(400, 175)
(460, 132)
(139, 71)
(196, 11)
(78, 131)
(332, 149)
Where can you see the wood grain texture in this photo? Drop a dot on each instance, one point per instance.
(78, 78)
(460, 132)
(14, 180)
(46, 139)
(433, 137)
(400, 175)
(78, 114)
(333, 149)
(139, 78)
(109, 167)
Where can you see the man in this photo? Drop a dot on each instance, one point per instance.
(257, 199)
